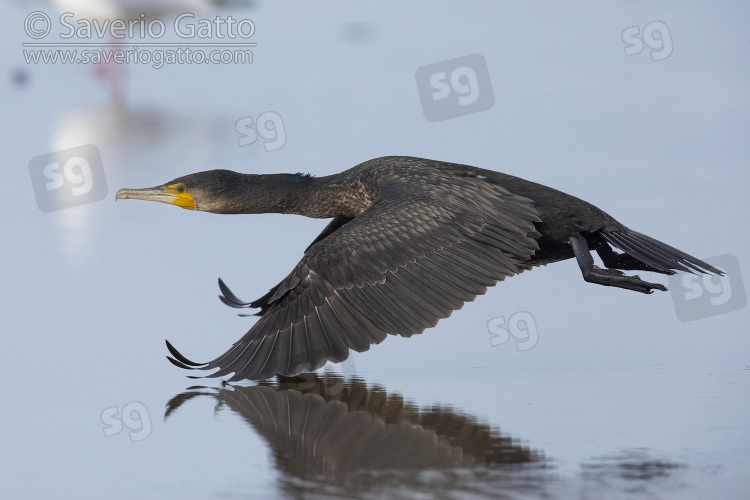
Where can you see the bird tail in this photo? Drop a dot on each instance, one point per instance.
(656, 254)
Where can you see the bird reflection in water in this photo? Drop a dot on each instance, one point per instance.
(326, 432)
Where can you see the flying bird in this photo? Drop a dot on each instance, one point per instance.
(411, 241)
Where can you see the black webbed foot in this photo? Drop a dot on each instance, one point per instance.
(610, 277)
(613, 277)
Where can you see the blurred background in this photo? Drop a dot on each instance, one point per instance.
(639, 108)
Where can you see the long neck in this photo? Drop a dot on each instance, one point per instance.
(322, 197)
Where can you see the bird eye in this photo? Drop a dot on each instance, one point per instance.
(181, 188)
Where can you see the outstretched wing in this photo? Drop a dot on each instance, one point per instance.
(417, 254)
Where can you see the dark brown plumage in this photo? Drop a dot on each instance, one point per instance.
(411, 240)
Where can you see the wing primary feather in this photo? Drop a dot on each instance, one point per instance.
(339, 346)
(431, 279)
(319, 353)
(229, 298)
(447, 300)
(354, 338)
(307, 335)
(260, 373)
(375, 334)
(494, 267)
(178, 363)
(291, 343)
(300, 352)
(426, 301)
(240, 366)
(323, 329)
(180, 357)
(362, 300)
(394, 308)
(238, 362)
(446, 274)
(463, 267)
(411, 304)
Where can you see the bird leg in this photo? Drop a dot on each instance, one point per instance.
(607, 277)
(614, 260)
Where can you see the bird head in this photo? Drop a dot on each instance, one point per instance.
(209, 191)
(225, 192)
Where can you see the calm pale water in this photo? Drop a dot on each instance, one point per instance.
(547, 386)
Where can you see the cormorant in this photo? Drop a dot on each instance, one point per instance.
(411, 241)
